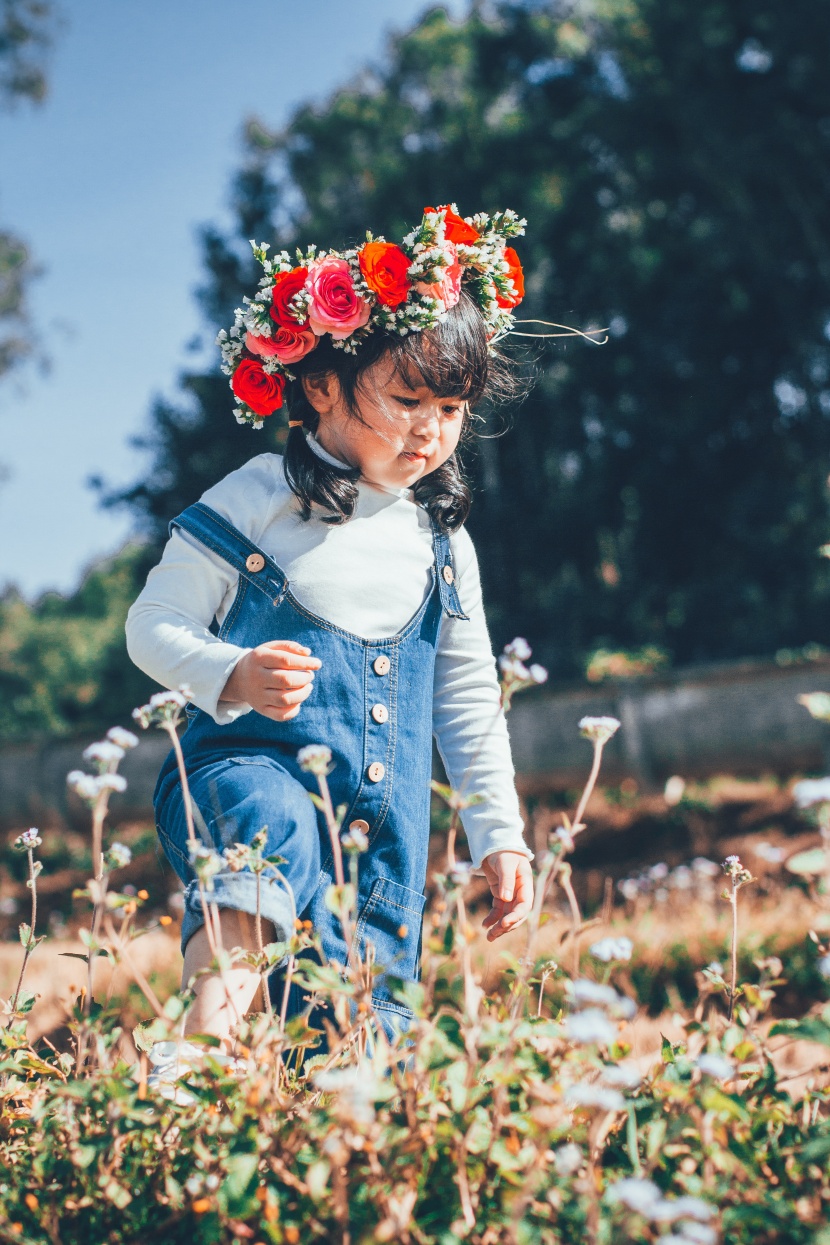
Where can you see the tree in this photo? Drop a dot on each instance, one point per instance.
(25, 35)
(672, 160)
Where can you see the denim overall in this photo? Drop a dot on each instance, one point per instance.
(372, 705)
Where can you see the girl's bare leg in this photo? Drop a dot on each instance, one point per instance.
(219, 1004)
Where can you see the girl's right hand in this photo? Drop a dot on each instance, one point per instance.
(274, 679)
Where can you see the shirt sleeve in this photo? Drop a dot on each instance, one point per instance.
(468, 721)
(168, 626)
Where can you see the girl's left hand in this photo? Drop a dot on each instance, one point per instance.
(511, 882)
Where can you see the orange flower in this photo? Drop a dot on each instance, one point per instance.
(384, 267)
(165, 920)
(456, 228)
(200, 1205)
(516, 276)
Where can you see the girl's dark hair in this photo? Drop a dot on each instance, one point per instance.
(452, 360)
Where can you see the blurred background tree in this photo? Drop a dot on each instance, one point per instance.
(26, 28)
(668, 489)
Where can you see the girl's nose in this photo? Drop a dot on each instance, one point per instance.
(426, 425)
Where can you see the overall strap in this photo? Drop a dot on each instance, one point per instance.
(445, 572)
(217, 534)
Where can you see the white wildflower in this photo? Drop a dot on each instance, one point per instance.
(104, 754)
(621, 1075)
(590, 1026)
(582, 991)
(824, 967)
(354, 1089)
(811, 791)
(716, 1066)
(28, 840)
(354, 840)
(768, 852)
(636, 1194)
(598, 730)
(124, 739)
(608, 949)
(518, 648)
(674, 790)
(601, 1096)
(314, 759)
(705, 868)
(659, 872)
(568, 1159)
(538, 673)
(118, 856)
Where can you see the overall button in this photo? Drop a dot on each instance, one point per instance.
(448, 574)
(380, 713)
(359, 824)
(255, 562)
(382, 664)
(376, 771)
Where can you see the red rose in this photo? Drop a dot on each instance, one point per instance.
(385, 266)
(286, 285)
(456, 228)
(516, 276)
(253, 386)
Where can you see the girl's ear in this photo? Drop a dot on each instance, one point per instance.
(323, 392)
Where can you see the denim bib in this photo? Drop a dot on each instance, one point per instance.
(372, 706)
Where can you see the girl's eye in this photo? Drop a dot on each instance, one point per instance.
(409, 403)
(452, 410)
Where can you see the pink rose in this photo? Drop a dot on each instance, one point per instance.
(448, 289)
(335, 306)
(287, 345)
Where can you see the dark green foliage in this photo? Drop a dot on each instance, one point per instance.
(63, 661)
(675, 182)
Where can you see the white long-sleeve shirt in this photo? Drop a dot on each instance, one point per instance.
(369, 576)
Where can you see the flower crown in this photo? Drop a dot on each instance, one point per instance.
(379, 285)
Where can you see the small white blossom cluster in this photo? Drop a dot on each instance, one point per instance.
(598, 730)
(91, 786)
(514, 674)
(206, 863)
(163, 709)
(691, 1216)
(593, 1022)
(733, 868)
(717, 1066)
(354, 840)
(659, 881)
(610, 949)
(812, 791)
(117, 856)
(315, 759)
(28, 840)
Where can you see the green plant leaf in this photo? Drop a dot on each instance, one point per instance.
(809, 863)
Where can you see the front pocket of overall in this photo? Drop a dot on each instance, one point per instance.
(391, 922)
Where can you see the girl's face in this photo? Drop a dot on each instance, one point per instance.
(403, 433)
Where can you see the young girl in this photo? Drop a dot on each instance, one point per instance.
(332, 596)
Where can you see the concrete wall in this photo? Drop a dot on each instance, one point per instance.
(738, 718)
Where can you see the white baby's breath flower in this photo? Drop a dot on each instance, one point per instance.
(117, 856)
(582, 991)
(28, 840)
(103, 754)
(538, 673)
(568, 1159)
(636, 1194)
(768, 852)
(518, 648)
(598, 730)
(581, 1095)
(590, 1026)
(621, 1075)
(811, 791)
(314, 759)
(124, 739)
(716, 1066)
(608, 949)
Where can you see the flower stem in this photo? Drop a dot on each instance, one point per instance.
(27, 950)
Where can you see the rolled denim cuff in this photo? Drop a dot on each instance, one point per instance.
(238, 890)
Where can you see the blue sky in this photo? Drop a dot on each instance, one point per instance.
(108, 182)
